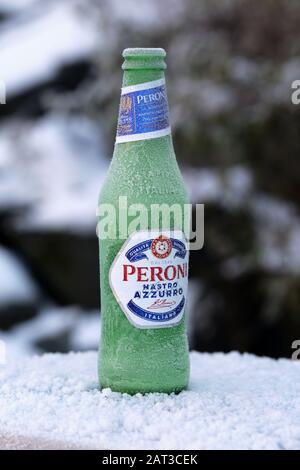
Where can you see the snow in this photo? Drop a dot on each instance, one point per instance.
(277, 223)
(145, 15)
(13, 6)
(16, 285)
(83, 331)
(234, 402)
(230, 187)
(65, 35)
(86, 333)
(148, 16)
(203, 185)
(60, 179)
(243, 70)
(278, 230)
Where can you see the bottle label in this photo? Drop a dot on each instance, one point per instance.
(149, 278)
(144, 112)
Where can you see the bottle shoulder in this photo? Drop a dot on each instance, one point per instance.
(144, 171)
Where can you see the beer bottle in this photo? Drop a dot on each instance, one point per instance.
(144, 273)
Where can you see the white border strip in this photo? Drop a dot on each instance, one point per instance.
(144, 136)
(143, 86)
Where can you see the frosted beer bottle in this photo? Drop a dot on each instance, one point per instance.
(143, 346)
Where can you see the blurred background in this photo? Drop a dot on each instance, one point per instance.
(236, 133)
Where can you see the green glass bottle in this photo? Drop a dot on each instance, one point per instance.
(144, 274)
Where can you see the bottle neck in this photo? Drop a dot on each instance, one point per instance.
(135, 77)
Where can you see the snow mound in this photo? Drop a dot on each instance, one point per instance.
(234, 402)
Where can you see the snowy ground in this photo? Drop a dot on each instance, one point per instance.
(234, 402)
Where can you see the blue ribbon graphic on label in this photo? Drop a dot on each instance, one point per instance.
(180, 247)
(138, 252)
(144, 112)
(159, 317)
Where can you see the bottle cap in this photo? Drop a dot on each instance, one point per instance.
(144, 58)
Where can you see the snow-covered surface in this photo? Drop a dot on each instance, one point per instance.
(16, 285)
(65, 34)
(234, 402)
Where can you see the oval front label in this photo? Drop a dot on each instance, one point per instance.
(149, 278)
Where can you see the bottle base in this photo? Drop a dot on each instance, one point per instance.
(143, 389)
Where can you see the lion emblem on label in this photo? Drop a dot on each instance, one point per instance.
(126, 103)
(161, 247)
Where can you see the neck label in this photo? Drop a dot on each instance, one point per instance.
(149, 278)
(144, 112)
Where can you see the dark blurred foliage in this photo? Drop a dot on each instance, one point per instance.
(230, 69)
